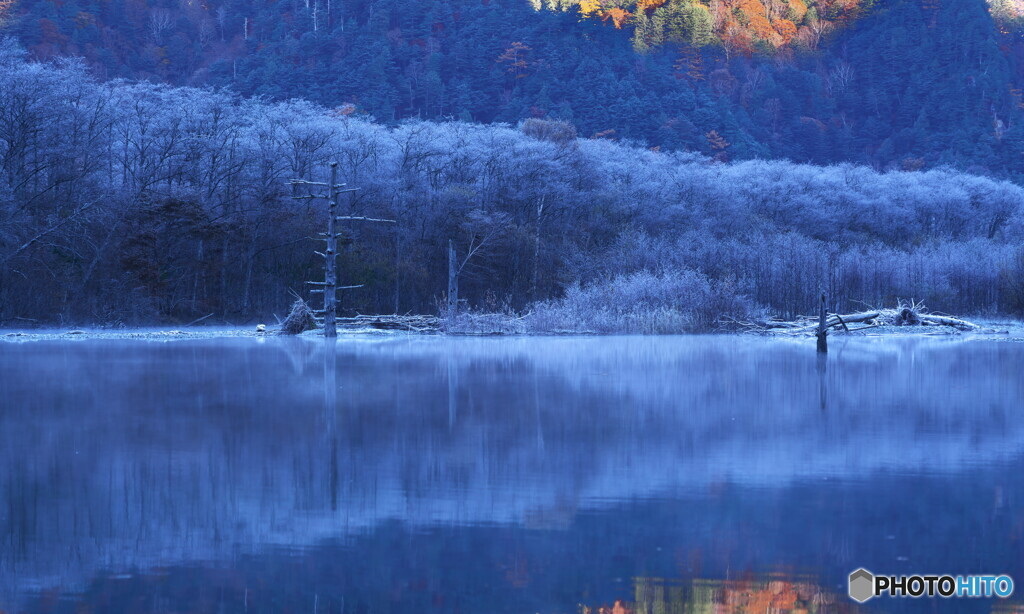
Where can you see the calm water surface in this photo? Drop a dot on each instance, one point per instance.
(694, 474)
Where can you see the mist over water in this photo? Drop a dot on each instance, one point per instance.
(502, 474)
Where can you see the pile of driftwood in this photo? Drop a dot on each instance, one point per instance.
(299, 320)
(408, 323)
(904, 314)
(303, 318)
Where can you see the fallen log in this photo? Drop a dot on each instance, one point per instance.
(831, 321)
(409, 323)
(947, 321)
(853, 330)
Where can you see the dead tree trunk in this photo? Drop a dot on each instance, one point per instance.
(536, 250)
(330, 269)
(822, 332)
(329, 286)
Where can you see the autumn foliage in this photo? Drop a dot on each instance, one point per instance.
(6, 9)
(741, 26)
(617, 16)
(514, 58)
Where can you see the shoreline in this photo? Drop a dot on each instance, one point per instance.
(999, 330)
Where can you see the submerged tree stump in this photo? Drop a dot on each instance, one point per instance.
(822, 332)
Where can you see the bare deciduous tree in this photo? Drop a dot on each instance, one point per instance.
(160, 22)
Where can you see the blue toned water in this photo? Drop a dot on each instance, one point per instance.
(425, 474)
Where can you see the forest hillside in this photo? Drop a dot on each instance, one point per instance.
(905, 84)
(132, 202)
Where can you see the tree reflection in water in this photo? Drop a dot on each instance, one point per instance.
(494, 475)
(776, 594)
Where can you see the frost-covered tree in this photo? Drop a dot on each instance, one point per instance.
(136, 201)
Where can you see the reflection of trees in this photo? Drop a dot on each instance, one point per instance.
(778, 595)
(121, 455)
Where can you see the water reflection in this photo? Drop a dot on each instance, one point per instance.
(753, 595)
(538, 474)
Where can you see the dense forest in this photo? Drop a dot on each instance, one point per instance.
(906, 84)
(136, 202)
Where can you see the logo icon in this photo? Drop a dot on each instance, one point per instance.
(862, 585)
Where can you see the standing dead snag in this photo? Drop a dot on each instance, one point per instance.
(330, 259)
(484, 229)
(330, 283)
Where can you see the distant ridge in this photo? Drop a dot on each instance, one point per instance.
(895, 84)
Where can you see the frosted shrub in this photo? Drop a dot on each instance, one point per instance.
(645, 302)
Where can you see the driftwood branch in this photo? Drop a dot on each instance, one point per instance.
(353, 218)
(409, 323)
(198, 320)
(947, 321)
(831, 321)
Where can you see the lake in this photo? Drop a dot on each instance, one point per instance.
(432, 474)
